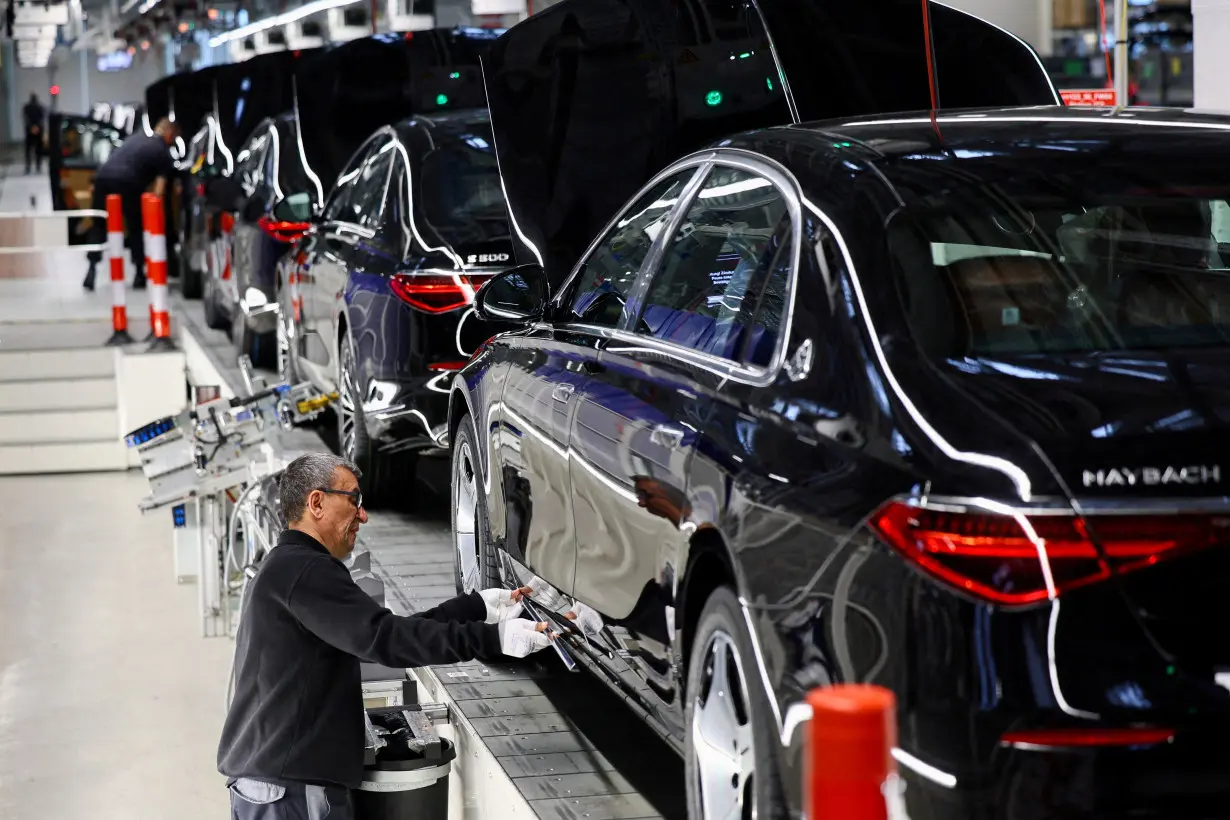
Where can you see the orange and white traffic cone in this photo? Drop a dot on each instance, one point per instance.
(156, 271)
(115, 250)
(850, 773)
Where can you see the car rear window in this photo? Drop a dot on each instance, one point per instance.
(460, 189)
(1007, 272)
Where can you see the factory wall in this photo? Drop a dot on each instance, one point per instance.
(81, 84)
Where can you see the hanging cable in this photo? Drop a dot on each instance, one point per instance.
(929, 43)
(1110, 72)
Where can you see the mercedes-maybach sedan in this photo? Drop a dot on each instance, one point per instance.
(270, 202)
(936, 403)
(376, 299)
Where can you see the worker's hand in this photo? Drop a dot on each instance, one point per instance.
(503, 604)
(519, 637)
(585, 618)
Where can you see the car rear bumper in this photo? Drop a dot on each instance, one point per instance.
(408, 415)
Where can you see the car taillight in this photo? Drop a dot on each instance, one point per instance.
(281, 230)
(437, 292)
(1014, 560)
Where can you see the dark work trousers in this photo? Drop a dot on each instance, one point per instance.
(255, 800)
(134, 238)
(34, 146)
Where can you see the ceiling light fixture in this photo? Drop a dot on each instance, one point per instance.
(278, 20)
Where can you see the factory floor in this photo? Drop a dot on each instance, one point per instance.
(110, 701)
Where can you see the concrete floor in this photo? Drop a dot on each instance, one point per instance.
(110, 701)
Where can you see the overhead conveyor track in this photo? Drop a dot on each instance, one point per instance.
(534, 740)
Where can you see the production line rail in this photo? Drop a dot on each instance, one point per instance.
(534, 740)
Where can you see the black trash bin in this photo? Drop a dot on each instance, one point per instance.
(401, 783)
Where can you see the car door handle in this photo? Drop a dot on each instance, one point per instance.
(666, 435)
(563, 392)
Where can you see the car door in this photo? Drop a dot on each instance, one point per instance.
(325, 264)
(234, 247)
(253, 171)
(637, 424)
(548, 367)
(355, 241)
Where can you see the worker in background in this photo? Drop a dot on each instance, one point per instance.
(142, 160)
(292, 744)
(35, 117)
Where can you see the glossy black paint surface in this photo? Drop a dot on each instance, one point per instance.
(774, 477)
(641, 83)
(369, 231)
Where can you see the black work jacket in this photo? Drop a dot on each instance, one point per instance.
(297, 712)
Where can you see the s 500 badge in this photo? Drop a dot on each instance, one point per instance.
(483, 258)
(1152, 476)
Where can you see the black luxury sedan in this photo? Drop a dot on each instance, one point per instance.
(938, 403)
(270, 202)
(377, 298)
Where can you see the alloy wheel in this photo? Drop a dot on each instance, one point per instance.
(722, 734)
(347, 401)
(465, 516)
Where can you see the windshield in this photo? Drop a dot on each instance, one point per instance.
(460, 190)
(1048, 266)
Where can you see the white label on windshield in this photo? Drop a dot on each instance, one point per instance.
(1011, 316)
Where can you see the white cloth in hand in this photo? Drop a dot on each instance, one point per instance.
(500, 605)
(519, 637)
(586, 619)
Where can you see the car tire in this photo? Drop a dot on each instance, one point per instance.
(723, 661)
(215, 319)
(261, 348)
(288, 365)
(474, 556)
(191, 284)
(383, 473)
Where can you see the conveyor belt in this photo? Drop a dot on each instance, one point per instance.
(569, 746)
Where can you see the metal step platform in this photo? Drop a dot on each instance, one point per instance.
(534, 740)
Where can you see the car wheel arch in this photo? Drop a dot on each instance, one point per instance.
(460, 405)
(709, 564)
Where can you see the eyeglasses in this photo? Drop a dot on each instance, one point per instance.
(355, 496)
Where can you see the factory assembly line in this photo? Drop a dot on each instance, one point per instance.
(773, 408)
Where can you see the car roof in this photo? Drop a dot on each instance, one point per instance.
(446, 123)
(831, 157)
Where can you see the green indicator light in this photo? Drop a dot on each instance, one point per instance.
(713, 98)
(441, 99)
(768, 81)
(1169, 670)
(745, 55)
(456, 75)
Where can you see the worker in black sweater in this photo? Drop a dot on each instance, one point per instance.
(292, 744)
(143, 160)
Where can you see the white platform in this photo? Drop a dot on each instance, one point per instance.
(66, 399)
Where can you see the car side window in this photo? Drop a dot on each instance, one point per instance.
(251, 160)
(600, 288)
(714, 281)
(337, 208)
(393, 221)
(363, 207)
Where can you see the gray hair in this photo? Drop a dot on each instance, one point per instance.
(312, 471)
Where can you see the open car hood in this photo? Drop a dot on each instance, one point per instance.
(590, 98)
